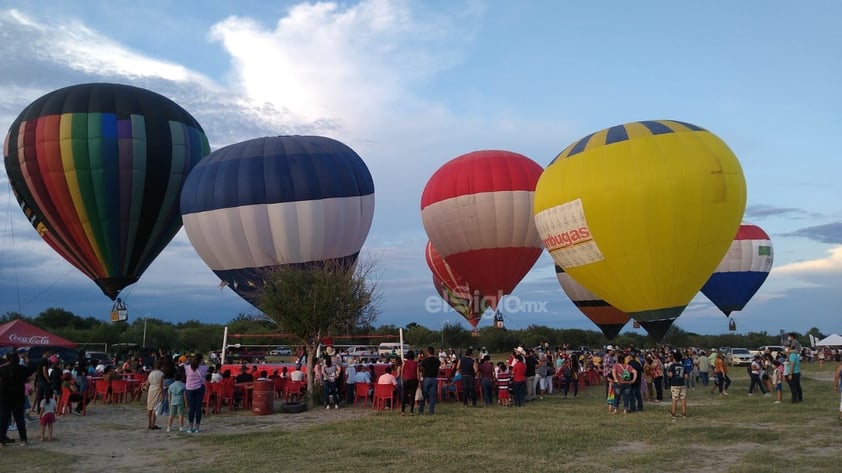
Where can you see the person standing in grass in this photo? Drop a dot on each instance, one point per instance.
(720, 370)
(678, 377)
(519, 380)
(778, 381)
(154, 387)
(837, 386)
(703, 365)
(409, 373)
(467, 367)
(486, 379)
(177, 400)
(793, 377)
(429, 368)
(194, 375)
(13, 378)
(755, 369)
(658, 377)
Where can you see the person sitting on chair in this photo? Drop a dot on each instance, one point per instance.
(67, 383)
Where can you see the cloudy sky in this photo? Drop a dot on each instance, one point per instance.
(410, 85)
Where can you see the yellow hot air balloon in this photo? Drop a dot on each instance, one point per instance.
(641, 214)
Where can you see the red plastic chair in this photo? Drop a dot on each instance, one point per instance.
(383, 393)
(278, 385)
(226, 393)
(361, 391)
(293, 390)
(63, 402)
(102, 391)
(209, 399)
(119, 389)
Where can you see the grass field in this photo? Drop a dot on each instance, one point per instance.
(736, 433)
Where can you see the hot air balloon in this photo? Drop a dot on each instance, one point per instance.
(742, 271)
(97, 169)
(608, 318)
(461, 305)
(640, 214)
(452, 287)
(476, 210)
(269, 202)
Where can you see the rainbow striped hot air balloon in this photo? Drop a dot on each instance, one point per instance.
(268, 202)
(97, 169)
(640, 214)
(476, 210)
(742, 271)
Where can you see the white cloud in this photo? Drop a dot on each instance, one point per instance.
(72, 44)
(811, 269)
(341, 64)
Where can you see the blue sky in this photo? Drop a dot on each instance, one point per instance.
(410, 85)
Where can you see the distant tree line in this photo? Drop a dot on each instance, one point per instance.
(194, 335)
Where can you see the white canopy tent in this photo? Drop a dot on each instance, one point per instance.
(833, 340)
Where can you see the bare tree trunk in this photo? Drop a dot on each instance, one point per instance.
(311, 374)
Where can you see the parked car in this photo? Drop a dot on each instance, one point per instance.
(96, 357)
(740, 356)
(282, 350)
(35, 353)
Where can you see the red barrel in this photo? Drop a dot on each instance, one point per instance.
(263, 398)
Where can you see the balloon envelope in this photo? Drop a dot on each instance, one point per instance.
(268, 202)
(476, 210)
(641, 214)
(97, 169)
(451, 287)
(608, 318)
(742, 271)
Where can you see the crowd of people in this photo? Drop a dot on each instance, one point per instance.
(175, 384)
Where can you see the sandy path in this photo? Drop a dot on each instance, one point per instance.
(112, 435)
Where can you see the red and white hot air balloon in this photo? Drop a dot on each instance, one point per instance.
(452, 287)
(477, 211)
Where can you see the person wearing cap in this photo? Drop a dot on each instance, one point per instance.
(608, 362)
(755, 368)
(703, 365)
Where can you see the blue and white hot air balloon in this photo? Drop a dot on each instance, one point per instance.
(269, 202)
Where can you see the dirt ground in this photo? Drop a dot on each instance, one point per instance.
(116, 434)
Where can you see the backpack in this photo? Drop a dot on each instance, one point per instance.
(626, 374)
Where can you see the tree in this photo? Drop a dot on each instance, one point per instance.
(316, 301)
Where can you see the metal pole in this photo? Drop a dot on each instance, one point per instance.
(145, 316)
(224, 344)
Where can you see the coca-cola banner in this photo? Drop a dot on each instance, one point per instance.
(19, 333)
(30, 339)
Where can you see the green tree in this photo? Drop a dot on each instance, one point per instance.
(315, 302)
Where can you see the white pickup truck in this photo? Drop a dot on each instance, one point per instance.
(775, 350)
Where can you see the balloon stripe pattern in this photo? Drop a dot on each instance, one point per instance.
(625, 132)
(641, 214)
(97, 169)
(476, 210)
(742, 271)
(608, 318)
(274, 201)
